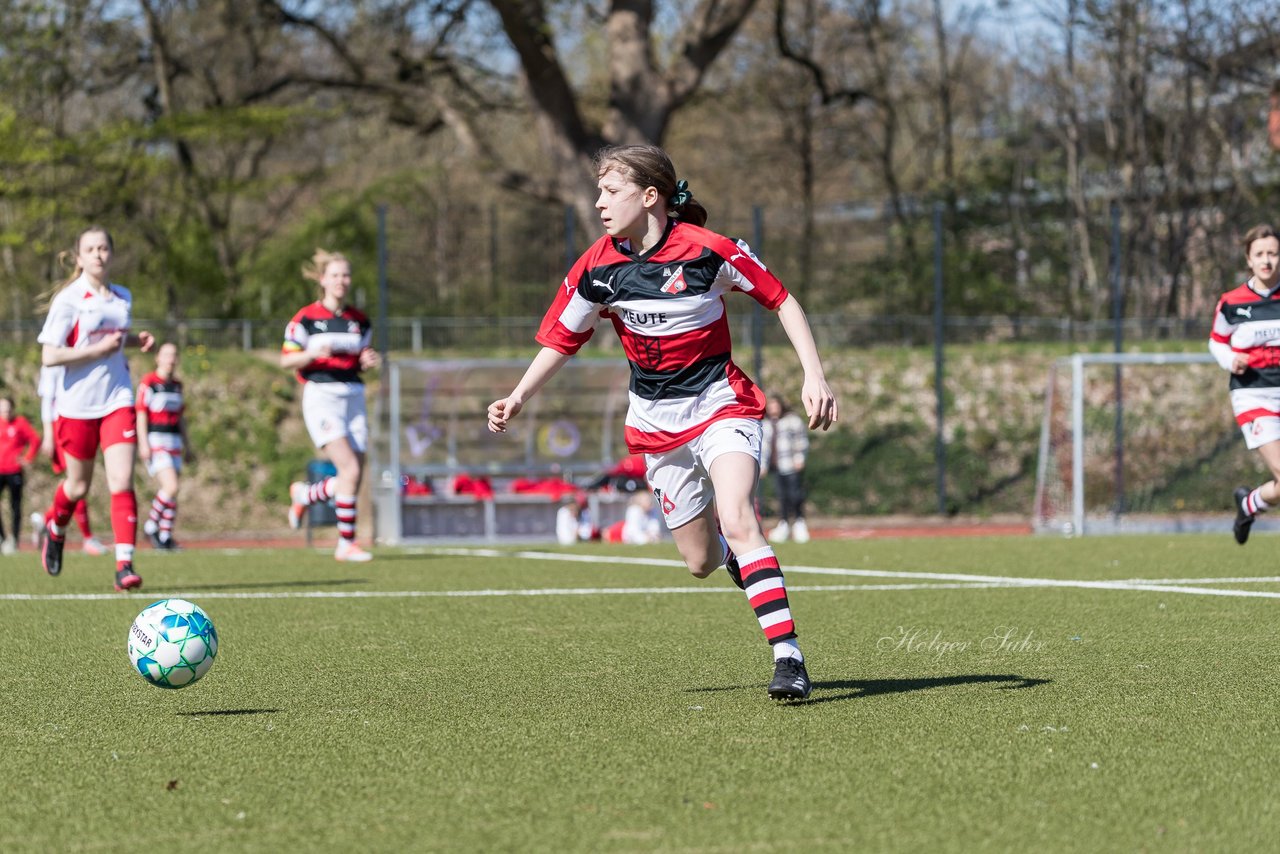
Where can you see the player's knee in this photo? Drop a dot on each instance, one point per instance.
(702, 568)
(75, 490)
(737, 524)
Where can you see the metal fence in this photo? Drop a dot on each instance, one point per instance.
(482, 334)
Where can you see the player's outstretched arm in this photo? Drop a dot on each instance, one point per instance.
(543, 367)
(819, 400)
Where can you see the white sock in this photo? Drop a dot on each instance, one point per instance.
(1253, 503)
(787, 649)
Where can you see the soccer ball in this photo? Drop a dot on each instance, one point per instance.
(172, 643)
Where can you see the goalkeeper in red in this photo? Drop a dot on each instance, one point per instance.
(1246, 342)
(661, 278)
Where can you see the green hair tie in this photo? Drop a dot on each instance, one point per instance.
(682, 196)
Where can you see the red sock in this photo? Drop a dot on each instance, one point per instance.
(82, 518)
(60, 512)
(124, 517)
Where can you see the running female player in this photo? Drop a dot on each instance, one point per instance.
(661, 278)
(1246, 342)
(86, 332)
(327, 343)
(162, 442)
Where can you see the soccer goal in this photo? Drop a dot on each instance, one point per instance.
(1141, 442)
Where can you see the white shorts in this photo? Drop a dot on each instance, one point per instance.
(681, 478)
(334, 411)
(164, 458)
(1257, 411)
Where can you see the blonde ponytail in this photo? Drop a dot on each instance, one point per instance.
(314, 269)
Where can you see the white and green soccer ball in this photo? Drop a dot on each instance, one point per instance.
(172, 643)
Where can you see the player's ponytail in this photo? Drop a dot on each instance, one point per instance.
(650, 166)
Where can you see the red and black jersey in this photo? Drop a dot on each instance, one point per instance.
(667, 307)
(161, 401)
(345, 333)
(1250, 323)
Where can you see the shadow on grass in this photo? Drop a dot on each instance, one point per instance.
(268, 585)
(853, 689)
(225, 713)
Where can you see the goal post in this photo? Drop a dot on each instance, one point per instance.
(1138, 442)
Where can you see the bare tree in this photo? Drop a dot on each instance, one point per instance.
(432, 69)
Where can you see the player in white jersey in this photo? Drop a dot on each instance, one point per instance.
(661, 278)
(47, 389)
(85, 333)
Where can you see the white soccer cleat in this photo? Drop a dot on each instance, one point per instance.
(297, 503)
(93, 546)
(800, 531)
(347, 551)
(8, 546)
(780, 534)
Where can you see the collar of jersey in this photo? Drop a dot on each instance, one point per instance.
(1264, 294)
(652, 250)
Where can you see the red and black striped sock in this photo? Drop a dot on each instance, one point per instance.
(322, 491)
(767, 593)
(345, 507)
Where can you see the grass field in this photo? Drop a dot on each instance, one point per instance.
(523, 702)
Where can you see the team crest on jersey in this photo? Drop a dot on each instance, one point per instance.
(675, 281)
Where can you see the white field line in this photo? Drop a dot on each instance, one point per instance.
(912, 581)
(462, 594)
(1174, 585)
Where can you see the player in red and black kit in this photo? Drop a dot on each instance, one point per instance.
(162, 442)
(1246, 342)
(19, 444)
(327, 343)
(661, 279)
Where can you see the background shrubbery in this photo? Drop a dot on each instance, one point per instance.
(1182, 449)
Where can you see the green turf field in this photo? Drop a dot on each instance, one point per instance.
(437, 701)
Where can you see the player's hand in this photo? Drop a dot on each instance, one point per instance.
(144, 452)
(819, 404)
(46, 444)
(111, 342)
(1239, 363)
(320, 351)
(369, 359)
(502, 411)
(146, 341)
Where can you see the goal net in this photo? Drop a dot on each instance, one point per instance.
(1139, 442)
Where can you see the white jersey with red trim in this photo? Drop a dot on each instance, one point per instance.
(79, 316)
(667, 307)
